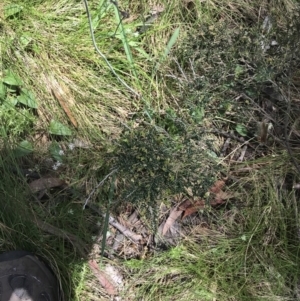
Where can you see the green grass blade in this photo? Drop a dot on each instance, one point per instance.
(125, 41)
(168, 48)
(171, 43)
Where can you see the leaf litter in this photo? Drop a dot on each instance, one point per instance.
(190, 205)
(129, 236)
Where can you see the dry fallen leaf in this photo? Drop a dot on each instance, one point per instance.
(222, 195)
(45, 183)
(219, 195)
(189, 191)
(184, 204)
(193, 208)
(217, 187)
(115, 275)
(188, 206)
(58, 95)
(102, 277)
(174, 214)
(63, 95)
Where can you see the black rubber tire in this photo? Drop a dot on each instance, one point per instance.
(24, 276)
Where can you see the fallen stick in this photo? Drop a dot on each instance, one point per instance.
(243, 153)
(225, 146)
(136, 238)
(128, 233)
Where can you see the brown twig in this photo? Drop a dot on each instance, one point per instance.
(136, 238)
(225, 146)
(128, 233)
(243, 153)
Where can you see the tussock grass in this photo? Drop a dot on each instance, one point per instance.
(21, 219)
(249, 252)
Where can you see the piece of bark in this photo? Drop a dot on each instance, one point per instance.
(193, 208)
(102, 277)
(174, 215)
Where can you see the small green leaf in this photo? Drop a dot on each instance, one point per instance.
(11, 10)
(2, 91)
(241, 129)
(57, 128)
(10, 101)
(23, 149)
(171, 42)
(11, 89)
(197, 114)
(238, 71)
(12, 79)
(36, 49)
(143, 53)
(25, 40)
(56, 152)
(27, 98)
(212, 154)
(95, 22)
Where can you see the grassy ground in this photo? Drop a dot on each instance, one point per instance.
(155, 118)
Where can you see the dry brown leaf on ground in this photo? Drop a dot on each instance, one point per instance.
(217, 202)
(175, 213)
(46, 183)
(217, 187)
(193, 208)
(184, 204)
(57, 94)
(188, 206)
(220, 196)
(223, 196)
(102, 277)
(63, 95)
